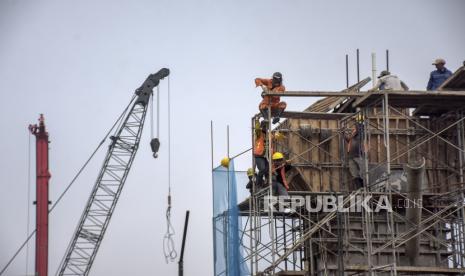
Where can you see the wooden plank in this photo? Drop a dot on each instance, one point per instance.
(313, 115)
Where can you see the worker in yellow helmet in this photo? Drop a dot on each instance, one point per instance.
(280, 168)
(251, 175)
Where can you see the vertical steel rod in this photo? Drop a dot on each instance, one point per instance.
(270, 184)
(358, 66)
(228, 249)
(373, 69)
(387, 59)
(388, 182)
(347, 71)
(213, 194)
(251, 201)
(365, 194)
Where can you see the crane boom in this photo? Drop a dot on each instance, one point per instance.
(94, 221)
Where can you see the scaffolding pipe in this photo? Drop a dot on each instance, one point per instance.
(460, 134)
(270, 184)
(347, 71)
(415, 182)
(366, 182)
(358, 65)
(373, 68)
(387, 59)
(251, 202)
(390, 216)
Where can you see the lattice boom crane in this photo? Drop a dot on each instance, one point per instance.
(94, 221)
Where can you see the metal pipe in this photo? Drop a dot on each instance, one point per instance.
(460, 138)
(415, 182)
(387, 59)
(410, 93)
(373, 69)
(316, 94)
(366, 182)
(213, 193)
(228, 249)
(181, 257)
(358, 65)
(347, 71)
(270, 184)
(390, 216)
(251, 202)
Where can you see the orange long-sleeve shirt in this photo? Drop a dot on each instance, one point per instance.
(269, 84)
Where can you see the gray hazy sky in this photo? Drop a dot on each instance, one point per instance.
(78, 62)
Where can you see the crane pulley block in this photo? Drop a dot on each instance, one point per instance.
(155, 145)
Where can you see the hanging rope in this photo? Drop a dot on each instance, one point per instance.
(168, 242)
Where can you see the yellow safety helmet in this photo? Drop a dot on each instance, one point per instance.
(277, 155)
(250, 172)
(225, 162)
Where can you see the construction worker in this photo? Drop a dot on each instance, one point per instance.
(438, 76)
(280, 168)
(259, 152)
(250, 174)
(355, 151)
(274, 85)
(386, 81)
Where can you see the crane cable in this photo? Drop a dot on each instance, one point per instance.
(69, 185)
(168, 241)
(152, 136)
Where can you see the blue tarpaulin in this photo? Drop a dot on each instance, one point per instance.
(228, 188)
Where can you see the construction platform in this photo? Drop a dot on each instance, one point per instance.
(401, 128)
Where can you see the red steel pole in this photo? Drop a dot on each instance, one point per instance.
(42, 202)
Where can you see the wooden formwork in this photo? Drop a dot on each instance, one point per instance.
(316, 148)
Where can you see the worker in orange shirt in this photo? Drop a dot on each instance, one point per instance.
(259, 152)
(275, 85)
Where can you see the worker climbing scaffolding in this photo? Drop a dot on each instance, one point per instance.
(275, 85)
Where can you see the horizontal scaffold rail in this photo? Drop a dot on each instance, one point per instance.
(362, 94)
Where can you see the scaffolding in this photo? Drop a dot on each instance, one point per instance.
(423, 232)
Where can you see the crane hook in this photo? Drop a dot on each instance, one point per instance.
(155, 145)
